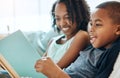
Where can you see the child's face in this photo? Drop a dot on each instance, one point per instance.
(102, 31)
(63, 20)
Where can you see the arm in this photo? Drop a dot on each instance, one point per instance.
(45, 65)
(80, 41)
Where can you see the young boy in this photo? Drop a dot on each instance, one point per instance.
(98, 59)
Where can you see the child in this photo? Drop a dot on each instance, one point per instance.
(71, 18)
(97, 60)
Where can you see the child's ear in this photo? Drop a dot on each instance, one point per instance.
(118, 30)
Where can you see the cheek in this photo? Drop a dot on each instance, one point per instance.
(103, 36)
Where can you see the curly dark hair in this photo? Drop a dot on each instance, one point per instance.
(78, 8)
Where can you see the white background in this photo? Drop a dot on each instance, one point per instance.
(29, 15)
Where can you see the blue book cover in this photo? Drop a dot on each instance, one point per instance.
(20, 54)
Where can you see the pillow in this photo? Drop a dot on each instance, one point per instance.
(40, 39)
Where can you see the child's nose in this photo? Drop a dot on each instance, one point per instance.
(91, 28)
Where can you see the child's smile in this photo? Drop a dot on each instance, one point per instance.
(92, 39)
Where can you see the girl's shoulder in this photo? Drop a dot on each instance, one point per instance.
(82, 33)
(82, 36)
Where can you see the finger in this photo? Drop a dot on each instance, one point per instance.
(38, 63)
(39, 69)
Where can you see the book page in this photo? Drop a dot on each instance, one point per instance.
(20, 54)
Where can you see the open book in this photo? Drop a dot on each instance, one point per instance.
(18, 57)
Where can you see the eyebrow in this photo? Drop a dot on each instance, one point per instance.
(97, 20)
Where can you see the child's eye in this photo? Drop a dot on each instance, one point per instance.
(98, 24)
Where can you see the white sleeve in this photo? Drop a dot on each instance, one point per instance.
(116, 70)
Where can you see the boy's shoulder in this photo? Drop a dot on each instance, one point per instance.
(95, 51)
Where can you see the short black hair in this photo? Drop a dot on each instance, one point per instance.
(78, 8)
(113, 9)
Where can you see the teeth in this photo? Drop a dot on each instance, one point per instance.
(92, 39)
(65, 29)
